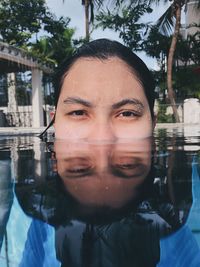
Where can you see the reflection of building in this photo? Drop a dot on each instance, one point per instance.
(14, 60)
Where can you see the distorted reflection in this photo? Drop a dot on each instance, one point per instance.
(103, 201)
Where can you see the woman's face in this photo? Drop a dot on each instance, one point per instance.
(102, 100)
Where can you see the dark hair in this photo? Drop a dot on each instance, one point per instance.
(103, 49)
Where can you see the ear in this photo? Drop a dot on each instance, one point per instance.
(52, 114)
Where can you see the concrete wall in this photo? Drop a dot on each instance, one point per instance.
(191, 109)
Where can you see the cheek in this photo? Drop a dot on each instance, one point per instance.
(138, 129)
(118, 130)
(66, 129)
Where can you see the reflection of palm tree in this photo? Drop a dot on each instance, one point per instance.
(166, 22)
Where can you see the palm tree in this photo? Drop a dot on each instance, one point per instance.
(171, 19)
(89, 14)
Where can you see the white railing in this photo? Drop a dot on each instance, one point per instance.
(22, 117)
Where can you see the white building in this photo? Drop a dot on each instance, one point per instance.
(13, 60)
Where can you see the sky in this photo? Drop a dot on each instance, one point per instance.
(75, 11)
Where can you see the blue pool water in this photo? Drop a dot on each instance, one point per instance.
(134, 203)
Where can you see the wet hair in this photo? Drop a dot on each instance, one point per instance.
(104, 49)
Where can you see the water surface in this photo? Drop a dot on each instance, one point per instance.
(133, 203)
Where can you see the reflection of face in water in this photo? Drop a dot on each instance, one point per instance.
(108, 175)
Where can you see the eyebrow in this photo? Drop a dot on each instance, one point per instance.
(131, 101)
(123, 102)
(77, 100)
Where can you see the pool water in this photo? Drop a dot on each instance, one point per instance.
(132, 203)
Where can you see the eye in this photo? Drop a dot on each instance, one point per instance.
(78, 171)
(129, 113)
(77, 113)
(127, 166)
(78, 167)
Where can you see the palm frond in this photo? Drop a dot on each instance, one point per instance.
(156, 2)
(165, 23)
(98, 3)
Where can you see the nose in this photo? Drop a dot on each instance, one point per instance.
(102, 131)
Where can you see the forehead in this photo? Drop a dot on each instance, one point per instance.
(90, 72)
(112, 64)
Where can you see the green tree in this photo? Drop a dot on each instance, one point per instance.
(170, 21)
(126, 19)
(157, 45)
(193, 45)
(89, 6)
(23, 19)
(187, 57)
(168, 26)
(187, 82)
(58, 44)
(20, 20)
